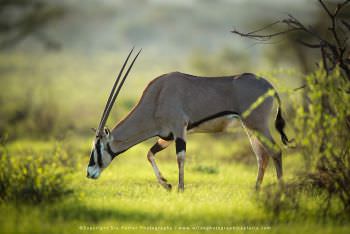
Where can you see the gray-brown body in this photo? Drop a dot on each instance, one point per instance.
(176, 104)
(176, 100)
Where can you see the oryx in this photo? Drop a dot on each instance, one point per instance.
(175, 104)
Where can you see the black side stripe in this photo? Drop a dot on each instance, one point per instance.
(170, 137)
(214, 116)
(110, 151)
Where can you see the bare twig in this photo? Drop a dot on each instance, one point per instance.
(313, 46)
(333, 50)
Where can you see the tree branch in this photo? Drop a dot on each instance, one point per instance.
(263, 37)
(333, 50)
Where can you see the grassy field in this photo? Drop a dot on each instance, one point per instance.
(43, 163)
(219, 193)
(50, 99)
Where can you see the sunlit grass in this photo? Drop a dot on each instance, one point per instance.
(127, 194)
(220, 171)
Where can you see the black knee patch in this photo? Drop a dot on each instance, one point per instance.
(180, 145)
(156, 148)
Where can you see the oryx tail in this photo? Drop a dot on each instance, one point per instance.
(279, 122)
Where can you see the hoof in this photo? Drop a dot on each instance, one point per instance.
(164, 183)
(180, 189)
(168, 187)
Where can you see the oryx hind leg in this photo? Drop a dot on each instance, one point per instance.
(261, 157)
(264, 145)
(157, 147)
(262, 142)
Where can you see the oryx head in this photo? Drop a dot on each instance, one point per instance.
(101, 153)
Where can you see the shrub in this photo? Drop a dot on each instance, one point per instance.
(322, 128)
(33, 177)
(324, 135)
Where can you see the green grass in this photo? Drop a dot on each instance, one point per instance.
(219, 192)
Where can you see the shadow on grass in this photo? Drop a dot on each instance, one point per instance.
(94, 215)
(80, 212)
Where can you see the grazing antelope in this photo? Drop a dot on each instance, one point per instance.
(175, 104)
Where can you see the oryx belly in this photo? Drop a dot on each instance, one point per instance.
(218, 124)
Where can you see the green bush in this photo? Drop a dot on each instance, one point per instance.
(322, 123)
(34, 177)
(322, 135)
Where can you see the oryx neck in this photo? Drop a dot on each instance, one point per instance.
(133, 129)
(123, 140)
(137, 126)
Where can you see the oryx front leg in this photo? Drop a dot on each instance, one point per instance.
(181, 153)
(159, 146)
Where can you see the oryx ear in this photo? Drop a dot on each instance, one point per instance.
(93, 129)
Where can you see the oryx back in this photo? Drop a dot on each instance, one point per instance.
(206, 104)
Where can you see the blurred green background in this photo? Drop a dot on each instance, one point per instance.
(55, 79)
(58, 61)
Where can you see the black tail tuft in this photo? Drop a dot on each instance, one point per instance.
(279, 124)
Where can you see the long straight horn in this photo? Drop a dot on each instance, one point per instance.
(100, 127)
(113, 98)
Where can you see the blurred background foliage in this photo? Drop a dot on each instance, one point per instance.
(59, 58)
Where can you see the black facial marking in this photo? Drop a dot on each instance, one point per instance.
(156, 148)
(110, 151)
(217, 115)
(92, 161)
(99, 153)
(180, 145)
